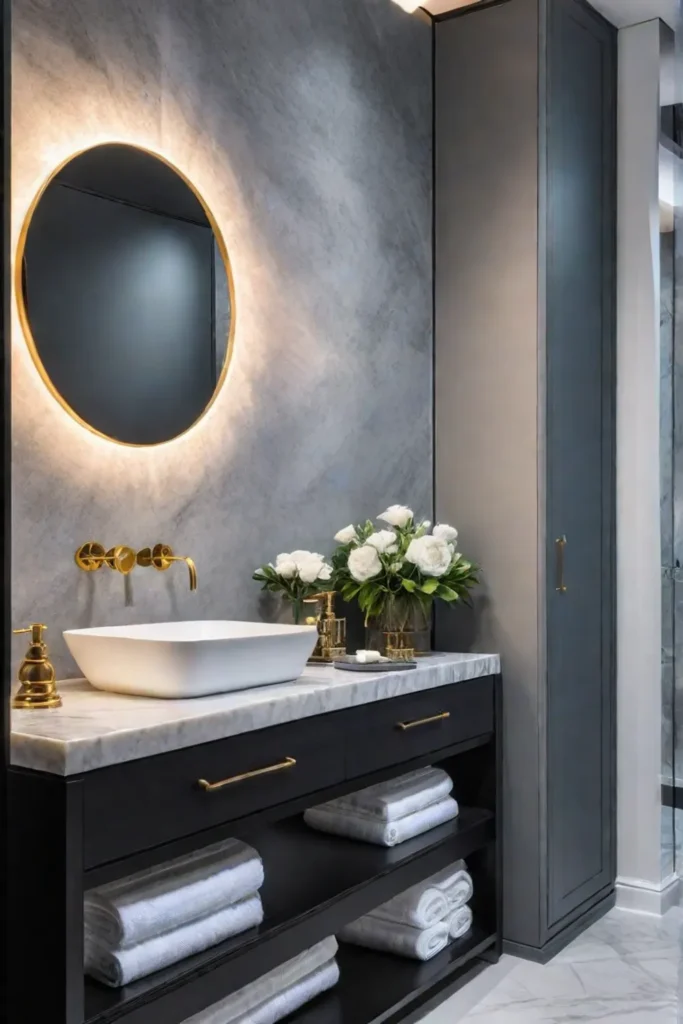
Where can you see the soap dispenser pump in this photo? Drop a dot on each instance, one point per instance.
(36, 674)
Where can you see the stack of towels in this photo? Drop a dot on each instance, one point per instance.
(390, 812)
(161, 915)
(280, 992)
(420, 922)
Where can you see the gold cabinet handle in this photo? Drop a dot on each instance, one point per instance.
(211, 787)
(423, 721)
(560, 547)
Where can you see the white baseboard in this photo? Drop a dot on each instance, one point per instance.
(649, 898)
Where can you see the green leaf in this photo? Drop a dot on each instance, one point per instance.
(409, 585)
(446, 594)
(430, 586)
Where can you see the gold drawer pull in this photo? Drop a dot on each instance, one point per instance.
(423, 721)
(211, 787)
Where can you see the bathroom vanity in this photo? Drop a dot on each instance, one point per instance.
(109, 784)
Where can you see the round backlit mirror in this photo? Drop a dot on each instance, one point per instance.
(125, 295)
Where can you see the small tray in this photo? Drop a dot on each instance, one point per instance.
(349, 664)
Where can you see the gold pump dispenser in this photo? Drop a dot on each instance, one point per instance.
(36, 674)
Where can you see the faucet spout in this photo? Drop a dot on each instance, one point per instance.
(161, 557)
(192, 568)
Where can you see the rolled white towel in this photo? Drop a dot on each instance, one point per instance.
(239, 1006)
(420, 906)
(390, 937)
(119, 967)
(460, 922)
(455, 882)
(396, 798)
(294, 997)
(133, 909)
(327, 818)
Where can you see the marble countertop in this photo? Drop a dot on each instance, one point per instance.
(94, 729)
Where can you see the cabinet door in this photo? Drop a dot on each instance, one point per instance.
(580, 251)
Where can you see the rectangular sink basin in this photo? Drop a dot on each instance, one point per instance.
(190, 659)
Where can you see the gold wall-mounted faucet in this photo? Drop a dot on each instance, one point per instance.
(161, 557)
(92, 556)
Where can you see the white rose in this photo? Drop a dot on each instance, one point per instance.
(430, 554)
(286, 569)
(383, 541)
(364, 563)
(304, 556)
(325, 572)
(397, 515)
(310, 570)
(445, 532)
(347, 535)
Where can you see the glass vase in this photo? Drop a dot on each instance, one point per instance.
(403, 629)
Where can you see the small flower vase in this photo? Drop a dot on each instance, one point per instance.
(403, 629)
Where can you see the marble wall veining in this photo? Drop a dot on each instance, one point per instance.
(306, 124)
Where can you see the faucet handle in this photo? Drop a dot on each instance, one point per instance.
(121, 559)
(90, 556)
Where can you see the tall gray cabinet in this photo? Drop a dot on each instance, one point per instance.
(524, 377)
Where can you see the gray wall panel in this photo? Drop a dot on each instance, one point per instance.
(307, 126)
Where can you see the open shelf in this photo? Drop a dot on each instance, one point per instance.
(373, 986)
(314, 884)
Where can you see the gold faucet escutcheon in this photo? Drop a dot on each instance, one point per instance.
(161, 558)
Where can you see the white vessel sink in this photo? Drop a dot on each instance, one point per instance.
(190, 659)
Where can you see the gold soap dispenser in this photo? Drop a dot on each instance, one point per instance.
(36, 674)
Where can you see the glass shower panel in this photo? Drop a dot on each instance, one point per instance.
(668, 421)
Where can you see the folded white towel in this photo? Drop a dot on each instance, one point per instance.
(119, 967)
(390, 937)
(420, 906)
(460, 922)
(327, 818)
(455, 882)
(130, 911)
(292, 998)
(239, 1005)
(387, 801)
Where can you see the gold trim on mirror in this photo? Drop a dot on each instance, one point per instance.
(23, 313)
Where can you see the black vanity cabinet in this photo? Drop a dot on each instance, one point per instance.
(71, 833)
(525, 398)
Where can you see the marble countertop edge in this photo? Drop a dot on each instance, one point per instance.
(94, 729)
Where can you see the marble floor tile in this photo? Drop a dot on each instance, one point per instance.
(626, 969)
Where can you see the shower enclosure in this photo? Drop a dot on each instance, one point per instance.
(671, 455)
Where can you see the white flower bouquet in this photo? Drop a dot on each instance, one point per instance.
(296, 576)
(394, 569)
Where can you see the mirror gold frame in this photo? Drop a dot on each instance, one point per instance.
(23, 312)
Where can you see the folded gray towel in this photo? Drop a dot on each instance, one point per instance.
(420, 906)
(328, 818)
(159, 899)
(119, 967)
(460, 922)
(455, 882)
(240, 1005)
(396, 798)
(294, 997)
(390, 937)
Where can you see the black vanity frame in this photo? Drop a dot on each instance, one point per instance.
(72, 833)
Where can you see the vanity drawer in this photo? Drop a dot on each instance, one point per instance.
(142, 804)
(397, 730)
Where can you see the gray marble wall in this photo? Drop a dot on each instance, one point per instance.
(306, 124)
